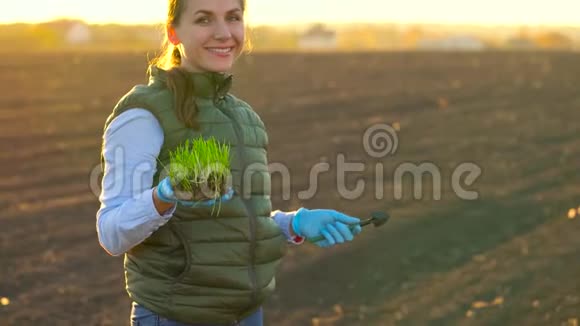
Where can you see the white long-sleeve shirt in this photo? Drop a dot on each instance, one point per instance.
(127, 216)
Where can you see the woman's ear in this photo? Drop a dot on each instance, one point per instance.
(172, 35)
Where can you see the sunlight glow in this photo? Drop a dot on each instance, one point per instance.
(513, 12)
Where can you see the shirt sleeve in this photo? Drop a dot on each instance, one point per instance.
(127, 216)
(283, 220)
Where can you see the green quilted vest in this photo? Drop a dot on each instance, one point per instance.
(204, 267)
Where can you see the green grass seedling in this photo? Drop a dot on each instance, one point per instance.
(198, 170)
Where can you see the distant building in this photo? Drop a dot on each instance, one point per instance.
(318, 38)
(554, 41)
(78, 33)
(452, 43)
(520, 43)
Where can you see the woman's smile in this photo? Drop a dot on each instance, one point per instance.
(221, 52)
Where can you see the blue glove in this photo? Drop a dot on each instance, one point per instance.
(335, 227)
(166, 194)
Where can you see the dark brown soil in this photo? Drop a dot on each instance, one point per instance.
(511, 257)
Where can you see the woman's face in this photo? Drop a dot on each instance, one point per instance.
(210, 34)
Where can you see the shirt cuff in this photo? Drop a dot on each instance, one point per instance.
(283, 219)
(164, 215)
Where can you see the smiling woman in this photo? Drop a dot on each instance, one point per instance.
(183, 263)
(208, 34)
(201, 35)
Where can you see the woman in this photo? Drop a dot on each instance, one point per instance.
(183, 265)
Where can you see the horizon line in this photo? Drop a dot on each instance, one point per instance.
(307, 23)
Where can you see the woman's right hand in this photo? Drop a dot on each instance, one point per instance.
(166, 194)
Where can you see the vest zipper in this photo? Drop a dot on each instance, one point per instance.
(248, 207)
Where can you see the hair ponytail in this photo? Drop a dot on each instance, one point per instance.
(182, 88)
(175, 56)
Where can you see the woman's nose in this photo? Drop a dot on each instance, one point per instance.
(222, 31)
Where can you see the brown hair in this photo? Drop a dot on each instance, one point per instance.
(170, 60)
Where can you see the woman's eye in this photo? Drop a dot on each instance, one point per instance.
(202, 20)
(234, 18)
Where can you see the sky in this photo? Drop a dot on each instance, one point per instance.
(484, 12)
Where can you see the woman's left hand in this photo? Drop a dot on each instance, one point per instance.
(325, 227)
